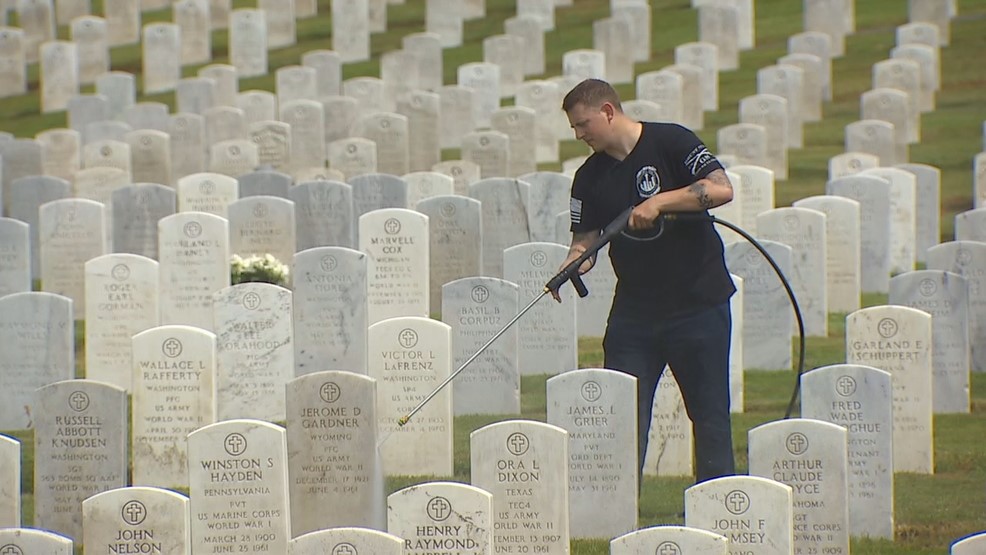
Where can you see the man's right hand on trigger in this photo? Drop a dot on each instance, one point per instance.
(572, 256)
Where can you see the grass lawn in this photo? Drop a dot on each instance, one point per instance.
(931, 511)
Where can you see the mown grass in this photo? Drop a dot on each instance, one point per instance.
(931, 511)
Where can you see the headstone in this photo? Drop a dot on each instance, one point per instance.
(873, 196)
(90, 37)
(59, 74)
(638, 15)
(195, 95)
(122, 21)
(121, 300)
(876, 137)
(120, 90)
(670, 539)
(859, 398)
(842, 249)
(670, 441)
(15, 257)
(323, 214)
(978, 177)
(423, 185)
(29, 540)
(341, 113)
(309, 175)
(370, 93)
(234, 157)
(442, 516)
(397, 247)
(219, 13)
(274, 141)
(455, 241)
(37, 19)
(542, 10)
(353, 157)
(813, 84)
(138, 209)
(38, 338)
(737, 403)
(928, 205)
(399, 73)
(426, 50)
(903, 221)
(390, 133)
(61, 152)
(746, 141)
(444, 18)
(409, 357)
(351, 30)
(13, 70)
(827, 16)
(280, 16)
(264, 182)
(804, 230)
(261, 226)
(458, 109)
(787, 82)
(162, 67)
(524, 464)
(227, 80)
(898, 339)
(71, 231)
(80, 445)
(339, 540)
(206, 192)
(187, 132)
(971, 225)
(520, 126)
(810, 456)
(476, 308)
(150, 156)
(251, 454)
(851, 163)
(970, 545)
(704, 56)
(968, 259)
(945, 296)
(505, 223)
(612, 36)
(602, 468)
(248, 41)
(148, 520)
(769, 111)
(484, 78)
(254, 354)
(490, 150)
(335, 475)
(330, 308)
(328, 71)
(905, 76)
(584, 63)
(719, 24)
(755, 186)
(193, 20)
(929, 64)
(754, 514)
(767, 312)
(937, 12)
(193, 250)
(463, 173)
(422, 110)
(550, 193)
(23, 199)
(891, 106)
(918, 32)
(224, 123)
(10, 482)
(543, 97)
(376, 191)
(307, 128)
(21, 158)
(528, 29)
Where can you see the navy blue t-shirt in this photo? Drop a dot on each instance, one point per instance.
(681, 271)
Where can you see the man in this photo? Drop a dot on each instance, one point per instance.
(672, 295)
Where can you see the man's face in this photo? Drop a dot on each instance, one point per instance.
(591, 125)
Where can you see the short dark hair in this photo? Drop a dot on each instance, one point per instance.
(591, 92)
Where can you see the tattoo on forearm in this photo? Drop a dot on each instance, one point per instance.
(704, 200)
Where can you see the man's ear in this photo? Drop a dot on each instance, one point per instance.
(608, 109)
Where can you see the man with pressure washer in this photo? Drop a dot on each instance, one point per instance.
(672, 295)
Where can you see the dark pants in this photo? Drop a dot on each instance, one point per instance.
(696, 347)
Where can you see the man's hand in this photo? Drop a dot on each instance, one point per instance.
(644, 215)
(580, 243)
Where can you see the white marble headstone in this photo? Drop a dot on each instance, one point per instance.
(670, 441)
(59, 74)
(422, 110)
(769, 111)
(351, 30)
(10, 482)
(505, 221)
(262, 225)
(140, 519)
(968, 259)
(851, 163)
(72, 231)
(30, 540)
(755, 514)
(161, 57)
(767, 314)
(873, 196)
(194, 263)
(248, 41)
(443, 517)
(338, 541)
(842, 249)
(671, 540)
(15, 256)
(396, 243)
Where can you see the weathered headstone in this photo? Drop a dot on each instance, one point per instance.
(90, 37)
(330, 310)
(903, 219)
(193, 18)
(898, 339)
(234, 157)
(15, 256)
(80, 445)
(353, 157)
(859, 398)
(262, 225)
(206, 192)
(753, 513)
(490, 150)
(122, 21)
(29, 540)
(339, 540)
(810, 456)
(334, 474)
(612, 36)
(873, 196)
(505, 222)
(161, 57)
(787, 82)
(767, 312)
(476, 308)
(121, 300)
(524, 464)
(397, 246)
(423, 185)
(248, 41)
(446, 516)
(23, 198)
(455, 241)
(351, 30)
(71, 232)
(670, 441)
(769, 111)
(390, 133)
(13, 70)
(328, 71)
(890, 106)
(254, 354)
(188, 150)
(928, 207)
(463, 173)
(519, 124)
(842, 249)
(746, 141)
(719, 24)
(59, 74)
(484, 79)
(968, 259)
(827, 16)
(422, 110)
(238, 484)
(10, 482)
(193, 250)
(120, 90)
(226, 77)
(409, 357)
(139, 519)
(592, 405)
(851, 163)
(671, 540)
(137, 210)
(545, 99)
(61, 151)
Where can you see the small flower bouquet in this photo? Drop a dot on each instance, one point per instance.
(266, 269)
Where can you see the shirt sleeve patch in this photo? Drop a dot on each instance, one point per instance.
(575, 210)
(698, 159)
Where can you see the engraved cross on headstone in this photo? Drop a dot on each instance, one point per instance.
(133, 511)
(172, 347)
(797, 443)
(518, 443)
(78, 400)
(235, 443)
(845, 385)
(668, 548)
(738, 501)
(439, 508)
(11, 550)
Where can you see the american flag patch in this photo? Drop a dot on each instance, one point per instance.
(575, 210)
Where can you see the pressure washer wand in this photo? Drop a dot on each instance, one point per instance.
(568, 273)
